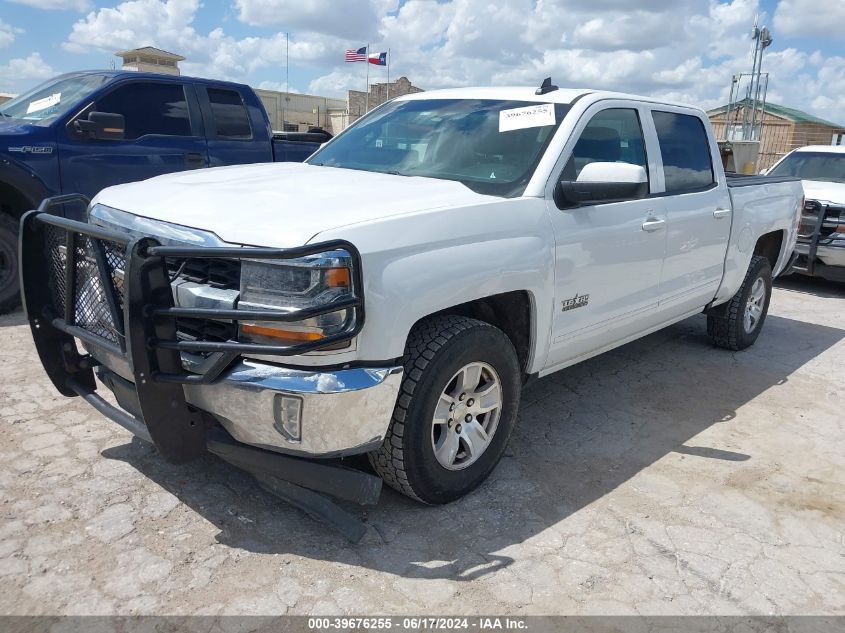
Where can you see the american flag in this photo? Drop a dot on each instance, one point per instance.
(359, 55)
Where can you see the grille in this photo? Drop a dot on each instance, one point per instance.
(90, 304)
(810, 216)
(217, 273)
(206, 330)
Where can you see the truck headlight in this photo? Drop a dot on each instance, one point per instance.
(297, 284)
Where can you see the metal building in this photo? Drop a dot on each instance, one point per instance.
(783, 129)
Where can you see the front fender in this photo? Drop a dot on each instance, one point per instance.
(417, 264)
(24, 179)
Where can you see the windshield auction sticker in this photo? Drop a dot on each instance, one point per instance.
(521, 118)
(43, 104)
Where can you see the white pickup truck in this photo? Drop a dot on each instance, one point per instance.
(392, 295)
(821, 235)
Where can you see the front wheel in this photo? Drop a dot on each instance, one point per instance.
(455, 411)
(10, 292)
(736, 324)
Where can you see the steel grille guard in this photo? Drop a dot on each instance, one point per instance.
(143, 315)
(143, 332)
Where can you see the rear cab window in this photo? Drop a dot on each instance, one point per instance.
(685, 148)
(229, 114)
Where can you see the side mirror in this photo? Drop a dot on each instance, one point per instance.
(105, 126)
(603, 182)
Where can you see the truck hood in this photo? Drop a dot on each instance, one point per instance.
(13, 127)
(282, 204)
(833, 192)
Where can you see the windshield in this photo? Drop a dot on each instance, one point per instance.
(824, 166)
(491, 146)
(51, 99)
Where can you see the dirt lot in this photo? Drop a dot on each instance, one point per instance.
(667, 477)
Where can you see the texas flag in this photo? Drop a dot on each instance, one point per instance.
(379, 59)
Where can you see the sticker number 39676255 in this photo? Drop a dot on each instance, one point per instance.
(530, 116)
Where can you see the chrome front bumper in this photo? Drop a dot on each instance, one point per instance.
(830, 255)
(343, 412)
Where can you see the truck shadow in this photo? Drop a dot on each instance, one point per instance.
(812, 286)
(582, 433)
(13, 318)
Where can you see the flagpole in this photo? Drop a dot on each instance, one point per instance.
(287, 80)
(388, 75)
(367, 92)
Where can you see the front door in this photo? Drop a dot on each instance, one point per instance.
(608, 254)
(163, 135)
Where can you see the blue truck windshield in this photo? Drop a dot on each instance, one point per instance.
(491, 146)
(51, 99)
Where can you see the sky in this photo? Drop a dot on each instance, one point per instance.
(683, 50)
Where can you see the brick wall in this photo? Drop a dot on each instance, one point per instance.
(357, 100)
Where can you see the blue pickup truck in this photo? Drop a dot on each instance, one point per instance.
(84, 131)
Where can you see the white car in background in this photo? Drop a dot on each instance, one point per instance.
(821, 239)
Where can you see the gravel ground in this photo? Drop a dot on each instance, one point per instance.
(666, 477)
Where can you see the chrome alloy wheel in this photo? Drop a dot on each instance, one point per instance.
(466, 416)
(754, 305)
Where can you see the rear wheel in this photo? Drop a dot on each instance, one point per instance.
(736, 324)
(455, 411)
(10, 292)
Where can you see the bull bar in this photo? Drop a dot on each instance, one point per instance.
(113, 291)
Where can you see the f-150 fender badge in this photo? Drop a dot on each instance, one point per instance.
(32, 149)
(578, 301)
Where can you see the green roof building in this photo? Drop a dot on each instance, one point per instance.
(783, 129)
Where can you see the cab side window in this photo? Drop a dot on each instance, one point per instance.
(611, 136)
(149, 108)
(685, 149)
(231, 120)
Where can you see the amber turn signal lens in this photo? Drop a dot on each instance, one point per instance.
(287, 335)
(337, 278)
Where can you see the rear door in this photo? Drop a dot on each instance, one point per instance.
(608, 255)
(231, 133)
(698, 211)
(163, 135)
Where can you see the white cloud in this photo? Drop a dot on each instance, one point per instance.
(74, 5)
(7, 34)
(685, 50)
(136, 23)
(24, 70)
(351, 18)
(810, 18)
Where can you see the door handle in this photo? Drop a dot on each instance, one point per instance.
(194, 157)
(721, 213)
(653, 224)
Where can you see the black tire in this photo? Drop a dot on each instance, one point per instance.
(437, 348)
(10, 290)
(725, 322)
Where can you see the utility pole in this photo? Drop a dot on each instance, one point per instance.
(762, 40)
